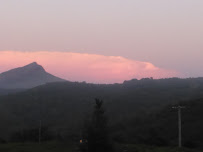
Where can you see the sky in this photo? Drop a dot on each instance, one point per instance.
(91, 68)
(166, 34)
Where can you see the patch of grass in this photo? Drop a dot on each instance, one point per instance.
(68, 147)
(144, 148)
(35, 147)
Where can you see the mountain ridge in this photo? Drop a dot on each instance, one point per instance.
(26, 77)
(65, 106)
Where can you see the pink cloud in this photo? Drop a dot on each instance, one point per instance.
(85, 67)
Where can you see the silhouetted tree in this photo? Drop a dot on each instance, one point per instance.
(98, 140)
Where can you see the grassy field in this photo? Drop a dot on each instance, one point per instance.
(66, 147)
(34, 147)
(143, 148)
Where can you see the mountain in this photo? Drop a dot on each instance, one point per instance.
(161, 127)
(64, 106)
(29, 76)
(10, 91)
(137, 110)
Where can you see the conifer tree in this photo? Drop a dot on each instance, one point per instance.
(98, 140)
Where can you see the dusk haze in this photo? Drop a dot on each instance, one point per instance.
(167, 34)
(91, 68)
(101, 75)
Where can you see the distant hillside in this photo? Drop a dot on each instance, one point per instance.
(29, 76)
(10, 91)
(161, 128)
(64, 106)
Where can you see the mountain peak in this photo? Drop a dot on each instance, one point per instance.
(33, 66)
(28, 76)
(33, 63)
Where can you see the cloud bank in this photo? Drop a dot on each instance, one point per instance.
(85, 67)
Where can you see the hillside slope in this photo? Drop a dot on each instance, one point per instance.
(29, 76)
(64, 106)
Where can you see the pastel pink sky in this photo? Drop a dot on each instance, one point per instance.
(167, 33)
(85, 67)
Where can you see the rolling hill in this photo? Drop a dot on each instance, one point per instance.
(64, 106)
(26, 77)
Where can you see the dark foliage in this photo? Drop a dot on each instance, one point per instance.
(31, 135)
(137, 110)
(98, 136)
(161, 128)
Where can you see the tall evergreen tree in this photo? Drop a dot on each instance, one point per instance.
(98, 140)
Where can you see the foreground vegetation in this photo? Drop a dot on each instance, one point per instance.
(66, 147)
(143, 148)
(35, 147)
(138, 111)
